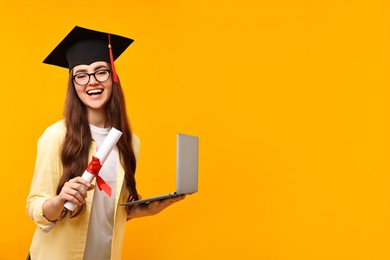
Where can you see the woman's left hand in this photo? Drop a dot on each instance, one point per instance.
(152, 208)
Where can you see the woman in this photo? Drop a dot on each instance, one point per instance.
(94, 104)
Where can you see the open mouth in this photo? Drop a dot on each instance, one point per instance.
(94, 92)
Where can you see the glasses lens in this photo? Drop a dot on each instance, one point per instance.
(102, 75)
(81, 78)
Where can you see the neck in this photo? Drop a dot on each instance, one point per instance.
(97, 118)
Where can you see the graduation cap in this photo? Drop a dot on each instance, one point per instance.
(85, 46)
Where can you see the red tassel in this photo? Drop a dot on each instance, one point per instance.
(115, 77)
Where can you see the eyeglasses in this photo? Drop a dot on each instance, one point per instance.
(82, 79)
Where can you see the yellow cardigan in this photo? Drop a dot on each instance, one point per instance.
(66, 239)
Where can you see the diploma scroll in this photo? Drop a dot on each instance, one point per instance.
(97, 162)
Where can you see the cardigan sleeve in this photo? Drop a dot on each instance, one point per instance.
(48, 169)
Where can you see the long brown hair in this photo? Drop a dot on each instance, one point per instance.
(75, 148)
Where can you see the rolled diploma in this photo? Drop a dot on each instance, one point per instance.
(102, 154)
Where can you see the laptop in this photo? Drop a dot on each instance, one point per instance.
(186, 170)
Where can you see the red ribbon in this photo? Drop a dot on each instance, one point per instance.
(94, 167)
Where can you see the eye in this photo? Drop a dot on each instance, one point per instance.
(81, 76)
(101, 72)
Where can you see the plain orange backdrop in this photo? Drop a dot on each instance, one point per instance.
(289, 100)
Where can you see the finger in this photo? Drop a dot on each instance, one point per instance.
(153, 205)
(78, 195)
(175, 199)
(82, 181)
(75, 195)
(166, 202)
(78, 187)
(71, 199)
(68, 195)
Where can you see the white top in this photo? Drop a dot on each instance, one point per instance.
(98, 245)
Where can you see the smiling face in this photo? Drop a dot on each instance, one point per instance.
(93, 93)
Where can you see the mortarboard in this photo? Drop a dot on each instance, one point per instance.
(85, 46)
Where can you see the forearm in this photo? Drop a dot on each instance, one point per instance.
(52, 208)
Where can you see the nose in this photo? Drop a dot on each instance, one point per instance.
(93, 80)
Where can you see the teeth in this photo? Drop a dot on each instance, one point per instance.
(94, 91)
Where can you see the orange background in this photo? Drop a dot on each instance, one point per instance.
(289, 100)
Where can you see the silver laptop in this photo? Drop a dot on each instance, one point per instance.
(186, 169)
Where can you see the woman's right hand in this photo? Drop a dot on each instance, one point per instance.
(75, 190)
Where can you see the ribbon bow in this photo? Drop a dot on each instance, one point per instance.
(94, 167)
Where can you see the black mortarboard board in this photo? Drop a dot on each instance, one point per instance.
(85, 46)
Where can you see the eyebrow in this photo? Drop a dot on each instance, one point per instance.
(95, 69)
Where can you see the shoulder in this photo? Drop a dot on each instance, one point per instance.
(55, 132)
(136, 144)
(136, 140)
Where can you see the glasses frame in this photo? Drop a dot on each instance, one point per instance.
(89, 76)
